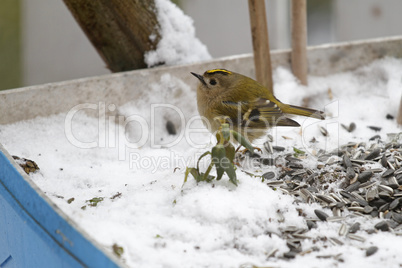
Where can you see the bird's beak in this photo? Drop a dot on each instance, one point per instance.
(200, 77)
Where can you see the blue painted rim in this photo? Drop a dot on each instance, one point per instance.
(27, 197)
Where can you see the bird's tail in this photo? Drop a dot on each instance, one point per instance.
(297, 110)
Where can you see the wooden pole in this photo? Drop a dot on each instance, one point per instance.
(299, 40)
(399, 117)
(259, 33)
(120, 30)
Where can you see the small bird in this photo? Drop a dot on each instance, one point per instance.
(248, 107)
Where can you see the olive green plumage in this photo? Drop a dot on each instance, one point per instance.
(249, 107)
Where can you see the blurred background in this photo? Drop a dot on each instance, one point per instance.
(40, 42)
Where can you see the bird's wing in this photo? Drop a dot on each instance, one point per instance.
(258, 113)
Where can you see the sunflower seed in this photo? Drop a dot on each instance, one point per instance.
(384, 207)
(270, 138)
(311, 224)
(398, 171)
(294, 165)
(323, 131)
(365, 176)
(272, 253)
(335, 218)
(346, 161)
(268, 147)
(350, 173)
(354, 228)
(356, 237)
(382, 225)
(325, 198)
(268, 175)
(335, 241)
(371, 251)
(278, 148)
(268, 161)
(373, 154)
(275, 183)
(367, 209)
(367, 184)
(388, 173)
(357, 161)
(374, 128)
(397, 217)
(384, 161)
(353, 187)
(359, 209)
(390, 165)
(290, 255)
(394, 204)
(375, 137)
(337, 198)
(343, 230)
(376, 170)
(386, 189)
(321, 214)
(299, 172)
(352, 127)
(357, 154)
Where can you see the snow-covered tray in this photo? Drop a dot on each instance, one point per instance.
(112, 151)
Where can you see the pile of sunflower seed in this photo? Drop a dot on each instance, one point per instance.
(357, 180)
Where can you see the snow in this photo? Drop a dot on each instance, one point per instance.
(162, 223)
(178, 44)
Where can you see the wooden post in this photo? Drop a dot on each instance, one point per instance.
(120, 30)
(299, 40)
(259, 33)
(399, 117)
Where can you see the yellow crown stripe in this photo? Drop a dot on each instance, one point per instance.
(218, 71)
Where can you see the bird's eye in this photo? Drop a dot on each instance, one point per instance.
(212, 82)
